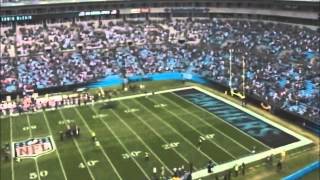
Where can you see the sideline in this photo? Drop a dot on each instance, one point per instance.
(256, 157)
(219, 168)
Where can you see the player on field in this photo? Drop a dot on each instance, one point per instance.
(93, 136)
(61, 135)
(97, 143)
(154, 171)
(146, 156)
(210, 166)
(162, 171)
(199, 143)
(77, 129)
(253, 149)
(236, 170)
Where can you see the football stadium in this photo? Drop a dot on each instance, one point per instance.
(160, 90)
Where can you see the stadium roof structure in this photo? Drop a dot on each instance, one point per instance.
(5, 3)
(12, 3)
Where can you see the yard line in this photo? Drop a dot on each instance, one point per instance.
(124, 147)
(35, 159)
(157, 134)
(102, 150)
(29, 124)
(217, 117)
(203, 121)
(142, 141)
(101, 101)
(37, 168)
(173, 129)
(77, 145)
(57, 152)
(12, 150)
(196, 130)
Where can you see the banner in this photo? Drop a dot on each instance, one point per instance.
(140, 10)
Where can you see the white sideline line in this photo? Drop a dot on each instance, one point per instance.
(203, 121)
(217, 117)
(12, 150)
(145, 94)
(102, 150)
(57, 152)
(123, 146)
(303, 141)
(173, 129)
(196, 130)
(202, 173)
(157, 134)
(99, 101)
(142, 141)
(298, 136)
(81, 154)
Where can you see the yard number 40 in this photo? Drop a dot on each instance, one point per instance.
(35, 175)
(89, 163)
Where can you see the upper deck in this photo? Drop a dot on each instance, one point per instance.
(14, 3)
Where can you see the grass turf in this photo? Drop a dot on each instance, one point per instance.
(124, 135)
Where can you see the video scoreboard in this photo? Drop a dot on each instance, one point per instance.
(20, 18)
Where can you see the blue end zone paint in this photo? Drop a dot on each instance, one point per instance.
(304, 171)
(118, 80)
(256, 128)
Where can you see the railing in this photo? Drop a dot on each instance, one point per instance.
(304, 171)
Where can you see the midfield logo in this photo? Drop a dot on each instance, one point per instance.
(33, 147)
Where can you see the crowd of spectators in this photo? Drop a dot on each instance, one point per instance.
(31, 103)
(281, 60)
(8, 75)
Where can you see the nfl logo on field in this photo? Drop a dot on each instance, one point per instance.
(33, 147)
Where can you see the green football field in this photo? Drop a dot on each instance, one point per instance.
(165, 126)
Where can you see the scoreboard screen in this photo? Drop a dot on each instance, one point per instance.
(98, 13)
(15, 18)
(20, 18)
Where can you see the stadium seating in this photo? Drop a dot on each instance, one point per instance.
(282, 60)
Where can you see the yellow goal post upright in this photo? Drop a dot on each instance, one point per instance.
(242, 95)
